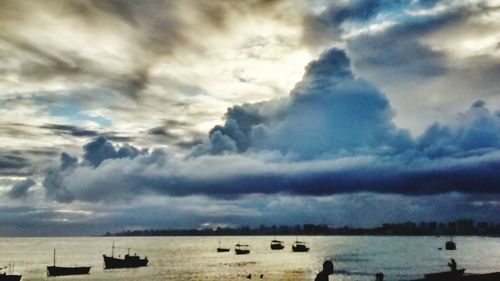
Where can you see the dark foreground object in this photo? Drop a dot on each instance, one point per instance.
(127, 262)
(442, 276)
(59, 270)
(8, 277)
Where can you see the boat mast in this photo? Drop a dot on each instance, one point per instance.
(113, 249)
(54, 257)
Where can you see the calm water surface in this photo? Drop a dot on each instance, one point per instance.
(195, 258)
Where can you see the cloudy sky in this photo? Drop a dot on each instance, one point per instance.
(174, 114)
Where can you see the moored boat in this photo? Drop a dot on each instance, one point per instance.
(8, 276)
(277, 245)
(60, 270)
(63, 270)
(222, 249)
(300, 246)
(127, 262)
(448, 276)
(450, 245)
(241, 249)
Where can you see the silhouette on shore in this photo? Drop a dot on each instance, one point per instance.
(453, 265)
(327, 271)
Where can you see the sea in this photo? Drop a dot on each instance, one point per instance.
(195, 258)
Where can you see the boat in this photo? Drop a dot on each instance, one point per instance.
(222, 250)
(241, 249)
(445, 275)
(9, 277)
(277, 245)
(450, 245)
(62, 270)
(460, 276)
(4, 276)
(127, 262)
(299, 246)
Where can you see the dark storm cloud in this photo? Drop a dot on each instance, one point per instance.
(18, 162)
(53, 182)
(12, 162)
(399, 49)
(330, 21)
(333, 135)
(95, 152)
(70, 130)
(159, 131)
(100, 149)
(20, 190)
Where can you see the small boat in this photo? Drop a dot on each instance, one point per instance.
(127, 262)
(299, 246)
(450, 245)
(445, 275)
(4, 276)
(241, 249)
(9, 277)
(222, 250)
(62, 270)
(277, 245)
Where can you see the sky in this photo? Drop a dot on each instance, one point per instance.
(120, 115)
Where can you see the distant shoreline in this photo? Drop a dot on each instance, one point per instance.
(456, 228)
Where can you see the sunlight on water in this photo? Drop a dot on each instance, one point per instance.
(195, 258)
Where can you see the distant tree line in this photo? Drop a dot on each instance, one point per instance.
(459, 227)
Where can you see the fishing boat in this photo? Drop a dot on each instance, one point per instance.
(277, 245)
(299, 246)
(241, 249)
(6, 274)
(62, 270)
(460, 276)
(127, 262)
(221, 249)
(450, 245)
(445, 275)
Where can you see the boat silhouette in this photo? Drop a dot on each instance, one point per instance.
(4, 276)
(222, 250)
(450, 245)
(61, 270)
(241, 249)
(277, 245)
(459, 275)
(299, 246)
(127, 262)
(445, 275)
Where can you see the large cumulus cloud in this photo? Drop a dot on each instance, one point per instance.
(329, 112)
(334, 134)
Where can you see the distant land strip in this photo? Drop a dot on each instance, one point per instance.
(463, 227)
